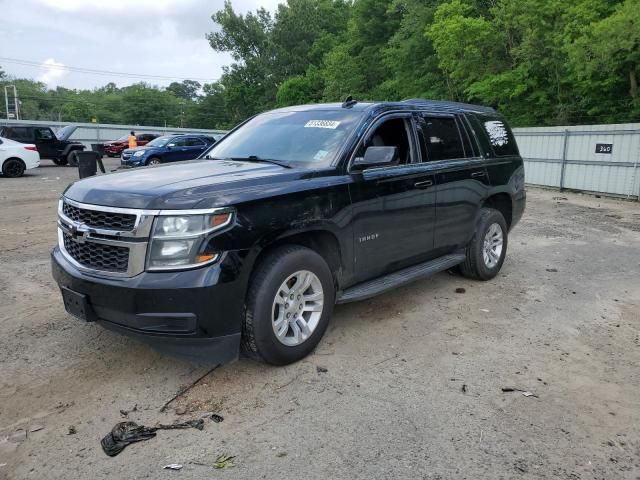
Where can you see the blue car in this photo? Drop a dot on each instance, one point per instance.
(165, 149)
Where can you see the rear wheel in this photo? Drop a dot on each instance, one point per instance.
(289, 303)
(488, 248)
(13, 168)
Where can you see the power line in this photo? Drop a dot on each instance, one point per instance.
(91, 71)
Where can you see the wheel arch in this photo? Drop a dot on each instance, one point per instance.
(503, 202)
(13, 158)
(321, 240)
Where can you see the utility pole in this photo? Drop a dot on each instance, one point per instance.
(16, 103)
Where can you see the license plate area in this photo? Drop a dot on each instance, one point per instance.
(77, 304)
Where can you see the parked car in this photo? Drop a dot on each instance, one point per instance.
(54, 146)
(296, 210)
(115, 147)
(165, 149)
(16, 157)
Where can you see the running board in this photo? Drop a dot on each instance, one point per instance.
(379, 285)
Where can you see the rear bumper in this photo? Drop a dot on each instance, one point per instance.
(194, 313)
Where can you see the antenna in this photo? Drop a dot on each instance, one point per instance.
(349, 102)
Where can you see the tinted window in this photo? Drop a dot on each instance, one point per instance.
(499, 135)
(44, 134)
(21, 133)
(179, 142)
(194, 142)
(159, 142)
(442, 138)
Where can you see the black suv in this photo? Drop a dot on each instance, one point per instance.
(55, 146)
(296, 209)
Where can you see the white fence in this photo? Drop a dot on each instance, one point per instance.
(89, 133)
(592, 158)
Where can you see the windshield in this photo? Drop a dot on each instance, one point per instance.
(159, 142)
(300, 138)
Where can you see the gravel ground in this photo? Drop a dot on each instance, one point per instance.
(413, 380)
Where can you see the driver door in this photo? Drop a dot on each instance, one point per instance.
(393, 206)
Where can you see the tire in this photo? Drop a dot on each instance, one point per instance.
(59, 161)
(154, 161)
(264, 302)
(72, 158)
(491, 230)
(13, 168)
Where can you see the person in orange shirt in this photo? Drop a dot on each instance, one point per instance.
(133, 143)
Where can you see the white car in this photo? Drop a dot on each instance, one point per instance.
(17, 157)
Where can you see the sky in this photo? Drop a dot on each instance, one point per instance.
(143, 37)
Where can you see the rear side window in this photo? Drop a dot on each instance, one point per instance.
(178, 142)
(194, 142)
(442, 138)
(498, 134)
(20, 133)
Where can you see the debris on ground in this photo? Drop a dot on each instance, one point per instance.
(72, 430)
(281, 454)
(526, 393)
(125, 433)
(321, 369)
(173, 466)
(464, 388)
(18, 436)
(125, 413)
(185, 389)
(217, 418)
(560, 198)
(224, 461)
(552, 270)
(181, 410)
(461, 290)
(36, 428)
(485, 310)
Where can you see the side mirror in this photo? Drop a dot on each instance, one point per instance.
(377, 157)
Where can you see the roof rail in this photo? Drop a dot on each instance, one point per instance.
(446, 105)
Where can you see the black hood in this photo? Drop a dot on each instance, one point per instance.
(196, 184)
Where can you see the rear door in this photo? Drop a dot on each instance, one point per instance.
(46, 142)
(176, 150)
(393, 206)
(460, 176)
(195, 147)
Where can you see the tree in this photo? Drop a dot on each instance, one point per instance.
(186, 90)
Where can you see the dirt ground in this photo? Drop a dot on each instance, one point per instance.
(413, 381)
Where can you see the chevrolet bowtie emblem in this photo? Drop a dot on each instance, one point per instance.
(79, 234)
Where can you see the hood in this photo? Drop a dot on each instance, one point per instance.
(65, 132)
(195, 184)
(143, 147)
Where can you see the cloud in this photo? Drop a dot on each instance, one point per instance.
(149, 37)
(52, 73)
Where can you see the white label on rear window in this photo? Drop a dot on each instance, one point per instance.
(497, 133)
(322, 124)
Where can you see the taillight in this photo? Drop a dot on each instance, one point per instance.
(31, 147)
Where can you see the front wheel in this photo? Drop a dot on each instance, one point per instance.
(154, 161)
(288, 306)
(488, 248)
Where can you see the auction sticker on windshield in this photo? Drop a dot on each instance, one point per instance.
(322, 124)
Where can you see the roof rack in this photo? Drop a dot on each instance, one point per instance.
(349, 102)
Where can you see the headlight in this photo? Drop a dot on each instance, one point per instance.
(180, 241)
(139, 153)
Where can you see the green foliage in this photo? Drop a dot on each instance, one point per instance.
(541, 62)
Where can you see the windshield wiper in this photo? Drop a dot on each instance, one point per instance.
(255, 158)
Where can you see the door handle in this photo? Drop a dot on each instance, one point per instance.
(423, 184)
(478, 174)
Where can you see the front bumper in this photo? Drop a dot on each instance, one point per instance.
(193, 313)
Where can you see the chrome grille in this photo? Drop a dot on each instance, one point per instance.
(99, 219)
(109, 258)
